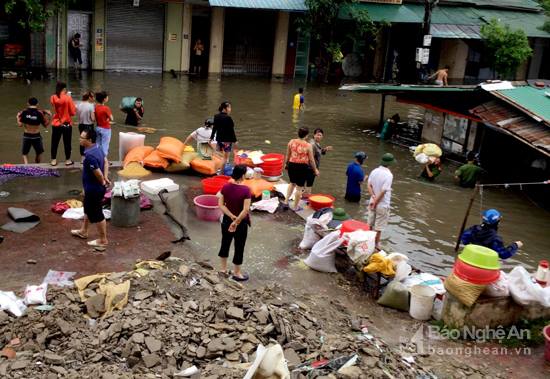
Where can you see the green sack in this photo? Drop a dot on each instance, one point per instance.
(127, 103)
(395, 296)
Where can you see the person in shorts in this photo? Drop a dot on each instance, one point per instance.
(30, 120)
(380, 187)
(95, 180)
(299, 161)
(224, 131)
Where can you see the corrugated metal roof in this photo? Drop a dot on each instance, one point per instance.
(530, 100)
(391, 89)
(284, 5)
(513, 122)
(512, 4)
(455, 31)
(386, 13)
(528, 21)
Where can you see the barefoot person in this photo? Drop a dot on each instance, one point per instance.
(234, 201)
(380, 188)
(299, 161)
(62, 123)
(30, 120)
(224, 131)
(95, 172)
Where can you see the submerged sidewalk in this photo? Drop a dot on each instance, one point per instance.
(27, 257)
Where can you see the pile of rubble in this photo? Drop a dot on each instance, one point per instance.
(186, 314)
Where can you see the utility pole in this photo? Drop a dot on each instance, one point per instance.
(423, 52)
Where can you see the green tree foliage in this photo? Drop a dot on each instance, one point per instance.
(545, 4)
(506, 48)
(32, 14)
(321, 22)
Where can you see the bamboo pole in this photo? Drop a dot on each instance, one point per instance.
(472, 198)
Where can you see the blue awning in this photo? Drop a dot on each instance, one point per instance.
(282, 5)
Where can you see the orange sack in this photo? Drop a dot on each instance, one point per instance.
(137, 154)
(155, 160)
(206, 167)
(171, 148)
(257, 186)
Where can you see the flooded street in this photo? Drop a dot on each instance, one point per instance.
(425, 217)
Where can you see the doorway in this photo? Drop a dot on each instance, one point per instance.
(81, 23)
(200, 31)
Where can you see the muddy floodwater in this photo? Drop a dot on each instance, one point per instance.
(425, 218)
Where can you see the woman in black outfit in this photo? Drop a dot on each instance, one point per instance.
(224, 131)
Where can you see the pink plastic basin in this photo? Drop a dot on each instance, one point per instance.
(206, 207)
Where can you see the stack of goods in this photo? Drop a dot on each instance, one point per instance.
(248, 158)
(475, 269)
(272, 164)
(427, 153)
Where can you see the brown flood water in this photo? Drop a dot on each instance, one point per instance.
(425, 217)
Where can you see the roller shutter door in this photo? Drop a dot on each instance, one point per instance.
(134, 35)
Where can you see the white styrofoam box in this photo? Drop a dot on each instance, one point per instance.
(153, 187)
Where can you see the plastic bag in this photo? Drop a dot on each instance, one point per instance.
(361, 245)
(36, 294)
(426, 279)
(59, 278)
(500, 288)
(524, 291)
(11, 303)
(396, 258)
(437, 310)
(402, 270)
(421, 158)
(396, 296)
(322, 254)
(269, 363)
(312, 225)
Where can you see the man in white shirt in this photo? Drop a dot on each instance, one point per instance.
(379, 185)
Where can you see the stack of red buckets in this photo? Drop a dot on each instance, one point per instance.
(272, 164)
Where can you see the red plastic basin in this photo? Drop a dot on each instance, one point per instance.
(475, 275)
(316, 203)
(213, 185)
(272, 159)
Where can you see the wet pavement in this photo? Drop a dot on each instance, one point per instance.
(425, 217)
(27, 257)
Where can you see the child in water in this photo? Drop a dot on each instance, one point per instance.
(134, 115)
(298, 103)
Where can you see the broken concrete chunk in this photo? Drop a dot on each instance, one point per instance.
(142, 295)
(235, 313)
(153, 344)
(151, 360)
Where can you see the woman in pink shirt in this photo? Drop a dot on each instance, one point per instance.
(64, 109)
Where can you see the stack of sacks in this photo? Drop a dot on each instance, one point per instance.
(475, 269)
(427, 152)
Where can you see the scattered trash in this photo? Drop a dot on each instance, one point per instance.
(31, 261)
(4, 194)
(8, 352)
(23, 220)
(187, 372)
(11, 303)
(269, 363)
(44, 308)
(36, 294)
(267, 142)
(59, 278)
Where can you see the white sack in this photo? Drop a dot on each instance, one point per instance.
(361, 244)
(313, 225)
(323, 254)
(500, 288)
(36, 294)
(524, 291)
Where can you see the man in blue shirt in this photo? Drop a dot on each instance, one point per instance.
(486, 235)
(356, 176)
(95, 179)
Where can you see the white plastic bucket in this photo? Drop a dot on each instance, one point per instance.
(422, 301)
